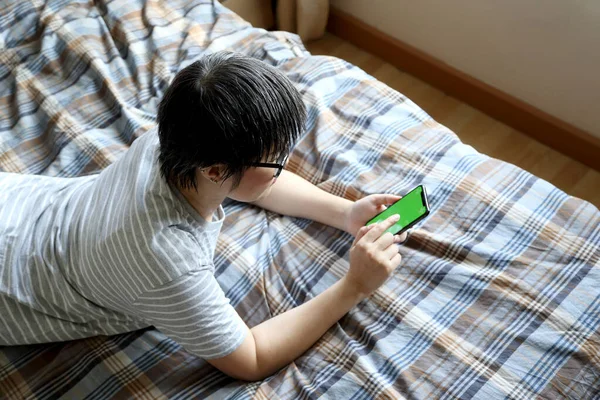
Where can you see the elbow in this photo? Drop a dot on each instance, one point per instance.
(244, 363)
(254, 374)
(248, 376)
(251, 377)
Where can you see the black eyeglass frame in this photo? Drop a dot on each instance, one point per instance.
(279, 166)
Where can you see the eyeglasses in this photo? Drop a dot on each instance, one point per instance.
(279, 165)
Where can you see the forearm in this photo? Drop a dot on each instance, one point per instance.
(282, 339)
(295, 196)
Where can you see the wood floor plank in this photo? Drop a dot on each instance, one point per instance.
(443, 109)
(396, 79)
(484, 135)
(587, 187)
(570, 175)
(474, 128)
(544, 162)
(461, 116)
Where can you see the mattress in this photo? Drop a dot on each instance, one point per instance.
(498, 294)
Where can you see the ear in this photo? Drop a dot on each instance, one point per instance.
(214, 172)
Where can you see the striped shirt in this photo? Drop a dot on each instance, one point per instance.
(111, 253)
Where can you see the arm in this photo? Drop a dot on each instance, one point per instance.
(278, 341)
(194, 311)
(295, 196)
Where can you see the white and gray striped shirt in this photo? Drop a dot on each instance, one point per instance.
(110, 253)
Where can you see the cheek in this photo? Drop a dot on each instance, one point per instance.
(256, 181)
(260, 177)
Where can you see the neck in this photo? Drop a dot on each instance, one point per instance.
(205, 200)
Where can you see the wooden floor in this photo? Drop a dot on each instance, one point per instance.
(484, 133)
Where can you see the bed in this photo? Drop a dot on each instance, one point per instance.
(498, 295)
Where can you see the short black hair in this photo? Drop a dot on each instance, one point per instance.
(226, 108)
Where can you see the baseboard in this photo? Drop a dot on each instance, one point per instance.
(545, 128)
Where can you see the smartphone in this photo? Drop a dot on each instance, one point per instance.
(413, 207)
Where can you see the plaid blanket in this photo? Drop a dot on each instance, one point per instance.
(498, 295)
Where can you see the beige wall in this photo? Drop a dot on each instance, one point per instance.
(544, 52)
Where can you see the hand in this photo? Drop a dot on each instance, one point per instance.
(373, 257)
(363, 210)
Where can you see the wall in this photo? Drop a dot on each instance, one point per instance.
(546, 53)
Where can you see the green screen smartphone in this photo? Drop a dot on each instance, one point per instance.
(412, 208)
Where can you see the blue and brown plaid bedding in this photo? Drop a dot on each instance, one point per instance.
(498, 295)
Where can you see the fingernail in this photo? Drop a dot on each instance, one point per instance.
(407, 236)
(395, 217)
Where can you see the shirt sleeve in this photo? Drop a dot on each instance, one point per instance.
(193, 311)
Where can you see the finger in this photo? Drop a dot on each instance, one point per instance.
(391, 251)
(362, 231)
(389, 198)
(385, 240)
(401, 238)
(384, 200)
(380, 227)
(396, 260)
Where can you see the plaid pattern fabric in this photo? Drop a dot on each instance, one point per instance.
(498, 295)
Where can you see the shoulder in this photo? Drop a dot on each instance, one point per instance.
(176, 251)
(185, 286)
(176, 242)
(194, 311)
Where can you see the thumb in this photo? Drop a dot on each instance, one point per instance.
(386, 199)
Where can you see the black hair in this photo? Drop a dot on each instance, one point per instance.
(228, 109)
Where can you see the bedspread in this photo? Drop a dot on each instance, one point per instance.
(498, 294)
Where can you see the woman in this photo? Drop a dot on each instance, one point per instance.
(133, 246)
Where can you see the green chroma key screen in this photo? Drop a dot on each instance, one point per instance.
(411, 207)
